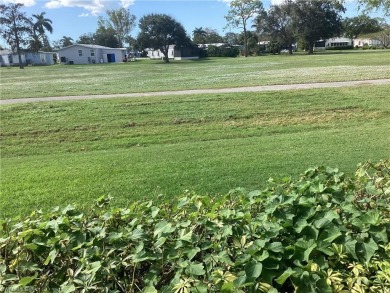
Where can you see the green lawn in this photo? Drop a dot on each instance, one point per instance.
(57, 153)
(146, 75)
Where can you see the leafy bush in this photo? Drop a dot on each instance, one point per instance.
(340, 48)
(214, 51)
(325, 232)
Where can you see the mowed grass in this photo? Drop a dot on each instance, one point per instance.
(155, 75)
(138, 148)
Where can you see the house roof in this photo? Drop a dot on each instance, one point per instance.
(91, 46)
(6, 52)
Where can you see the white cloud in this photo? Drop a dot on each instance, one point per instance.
(127, 3)
(84, 15)
(26, 3)
(94, 7)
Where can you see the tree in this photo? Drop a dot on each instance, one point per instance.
(66, 41)
(316, 19)
(15, 27)
(42, 24)
(87, 38)
(199, 35)
(206, 36)
(363, 24)
(382, 36)
(158, 31)
(39, 38)
(240, 12)
(121, 21)
(107, 37)
(252, 40)
(277, 25)
(375, 5)
(231, 38)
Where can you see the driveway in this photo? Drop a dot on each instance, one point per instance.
(264, 88)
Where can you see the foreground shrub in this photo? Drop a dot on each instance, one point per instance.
(322, 233)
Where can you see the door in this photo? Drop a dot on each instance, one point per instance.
(110, 58)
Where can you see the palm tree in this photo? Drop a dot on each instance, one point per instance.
(199, 35)
(42, 24)
(66, 41)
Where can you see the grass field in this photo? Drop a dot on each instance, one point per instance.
(73, 152)
(146, 75)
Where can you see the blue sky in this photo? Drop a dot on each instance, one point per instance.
(73, 18)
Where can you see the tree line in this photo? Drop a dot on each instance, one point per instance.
(294, 21)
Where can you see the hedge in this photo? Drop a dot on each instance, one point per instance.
(324, 232)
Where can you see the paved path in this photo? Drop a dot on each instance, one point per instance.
(205, 91)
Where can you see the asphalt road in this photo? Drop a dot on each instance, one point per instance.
(204, 91)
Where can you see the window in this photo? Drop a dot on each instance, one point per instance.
(92, 53)
(80, 53)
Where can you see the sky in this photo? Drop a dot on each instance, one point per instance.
(73, 18)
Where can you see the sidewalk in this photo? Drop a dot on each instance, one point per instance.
(204, 91)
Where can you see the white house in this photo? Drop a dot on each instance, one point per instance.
(333, 43)
(360, 42)
(90, 54)
(175, 53)
(9, 58)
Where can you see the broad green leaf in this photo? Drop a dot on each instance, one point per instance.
(262, 256)
(113, 236)
(223, 257)
(242, 259)
(160, 241)
(182, 202)
(27, 280)
(3, 268)
(283, 277)
(93, 267)
(196, 269)
(149, 289)
(8, 277)
(253, 269)
(200, 288)
(300, 225)
(371, 218)
(185, 235)
(136, 234)
(155, 211)
(275, 247)
(350, 247)
(369, 249)
(325, 247)
(162, 228)
(307, 247)
(68, 289)
(142, 256)
(228, 288)
(192, 252)
(323, 287)
(326, 219)
(330, 233)
(379, 234)
(51, 257)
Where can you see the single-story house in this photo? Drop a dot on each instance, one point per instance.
(9, 58)
(176, 53)
(360, 42)
(206, 46)
(333, 43)
(91, 54)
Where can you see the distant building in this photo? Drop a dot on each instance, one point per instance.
(9, 58)
(333, 43)
(360, 42)
(175, 53)
(91, 54)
